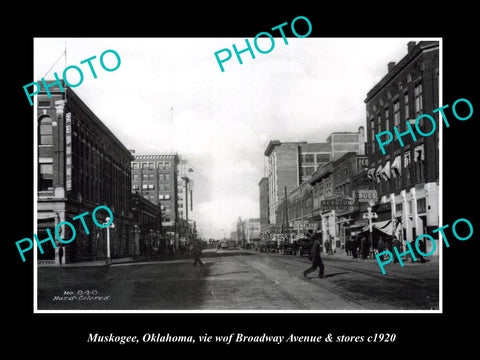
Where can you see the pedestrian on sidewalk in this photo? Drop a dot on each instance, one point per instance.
(380, 247)
(396, 244)
(316, 259)
(60, 254)
(197, 251)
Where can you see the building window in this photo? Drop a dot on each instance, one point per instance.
(46, 132)
(372, 130)
(417, 92)
(45, 157)
(161, 197)
(144, 165)
(421, 206)
(151, 176)
(309, 158)
(396, 113)
(45, 176)
(307, 170)
(144, 176)
(398, 207)
(167, 176)
(379, 124)
(151, 165)
(419, 164)
(135, 187)
(167, 165)
(387, 119)
(151, 186)
(135, 165)
(167, 187)
(167, 196)
(406, 106)
(323, 158)
(407, 167)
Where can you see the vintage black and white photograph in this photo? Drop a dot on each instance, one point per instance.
(269, 174)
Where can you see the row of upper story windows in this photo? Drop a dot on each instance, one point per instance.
(163, 165)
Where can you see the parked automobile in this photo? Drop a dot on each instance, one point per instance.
(303, 246)
(287, 248)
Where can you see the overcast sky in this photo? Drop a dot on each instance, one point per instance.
(222, 121)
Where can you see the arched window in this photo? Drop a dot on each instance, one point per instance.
(45, 131)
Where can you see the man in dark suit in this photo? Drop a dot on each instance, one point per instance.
(316, 259)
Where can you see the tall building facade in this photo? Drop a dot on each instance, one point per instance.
(81, 165)
(288, 165)
(406, 177)
(154, 176)
(264, 207)
(185, 186)
(252, 230)
(291, 164)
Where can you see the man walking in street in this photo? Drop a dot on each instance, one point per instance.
(197, 251)
(316, 259)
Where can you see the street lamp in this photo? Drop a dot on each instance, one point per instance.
(107, 220)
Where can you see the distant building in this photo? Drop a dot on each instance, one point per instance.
(406, 177)
(290, 164)
(344, 142)
(81, 165)
(252, 229)
(154, 176)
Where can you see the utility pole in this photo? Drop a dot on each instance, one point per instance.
(286, 216)
(370, 215)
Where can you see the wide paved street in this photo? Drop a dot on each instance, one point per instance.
(240, 280)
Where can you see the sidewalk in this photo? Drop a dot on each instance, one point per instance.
(93, 263)
(126, 260)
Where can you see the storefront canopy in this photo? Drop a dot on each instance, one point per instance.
(383, 226)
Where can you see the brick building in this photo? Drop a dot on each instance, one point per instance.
(81, 165)
(148, 232)
(406, 177)
(290, 164)
(154, 176)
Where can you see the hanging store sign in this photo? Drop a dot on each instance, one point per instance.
(68, 151)
(338, 203)
(365, 195)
